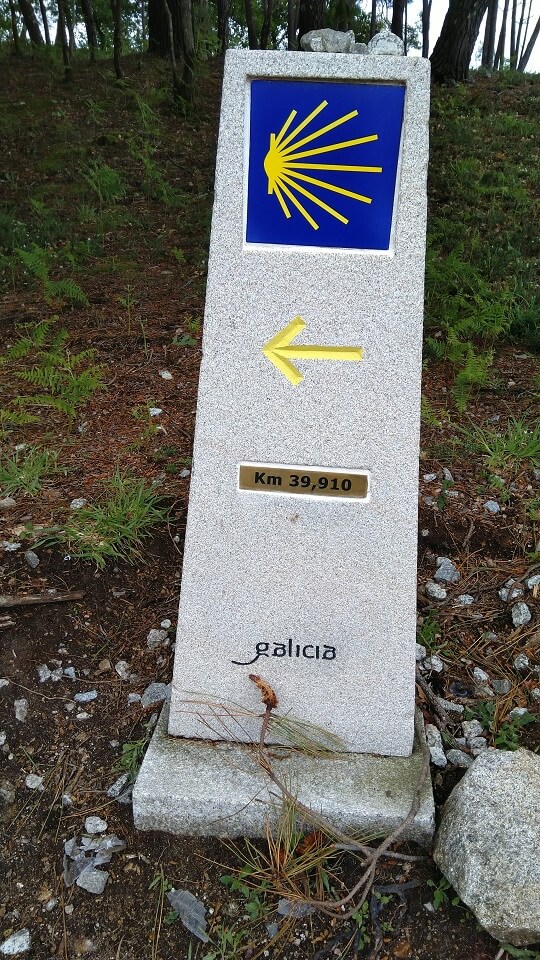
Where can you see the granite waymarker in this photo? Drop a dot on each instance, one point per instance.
(300, 551)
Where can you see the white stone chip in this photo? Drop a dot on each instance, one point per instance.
(446, 571)
(480, 675)
(471, 728)
(465, 600)
(521, 662)
(421, 652)
(435, 591)
(533, 581)
(7, 503)
(166, 624)
(34, 782)
(518, 712)
(155, 411)
(430, 477)
(434, 663)
(94, 825)
(15, 944)
(86, 696)
(165, 374)
(43, 673)
(510, 592)
(21, 709)
(31, 558)
(491, 506)
(521, 615)
(155, 638)
(94, 881)
(434, 742)
(459, 758)
(78, 503)
(4, 682)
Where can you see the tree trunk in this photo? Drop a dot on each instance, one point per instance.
(426, 16)
(451, 57)
(61, 31)
(250, 21)
(498, 63)
(30, 22)
(398, 10)
(188, 50)
(45, 23)
(373, 25)
(14, 31)
(526, 31)
(117, 37)
(69, 24)
(513, 32)
(488, 49)
(267, 23)
(223, 25)
(311, 15)
(525, 57)
(292, 24)
(90, 25)
(158, 30)
(176, 82)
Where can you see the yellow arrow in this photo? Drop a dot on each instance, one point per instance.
(280, 353)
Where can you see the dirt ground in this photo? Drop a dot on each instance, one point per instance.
(77, 747)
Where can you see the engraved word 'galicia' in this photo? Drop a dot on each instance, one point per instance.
(309, 651)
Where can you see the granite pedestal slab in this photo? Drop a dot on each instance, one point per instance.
(314, 591)
(204, 788)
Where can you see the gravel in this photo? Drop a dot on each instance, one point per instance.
(446, 571)
(21, 710)
(435, 591)
(86, 696)
(434, 742)
(155, 693)
(458, 758)
(521, 662)
(521, 614)
(471, 728)
(33, 782)
(491, 506)
(15, 944)
(94, 825)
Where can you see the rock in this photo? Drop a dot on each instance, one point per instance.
(465, 600)
(86, 696)
(133, 698)
(155, 638)
(421, 652)
(4, 682)
(449, 705)
(535, 693)
(185, 473)
(521, 662)
(434, 742)
(359, 48)
(165, 374)
(70, 672)
(327, 41)
(43, 673)
(471, 728)
(501, 687)
(491, 506)
(15, 944)
(21, 710)
(446, 571)
(480, 676)
(82, 715)
(447, 475)
(122, 669)
(7, 503)
(521, 614)
(488, 843)
(78, 503)
(510, 592)
(458, 758)
(92, 880)
(385, 43)
(430, 477)
(31, 558)
(33, 782)
(118, 786)
(94, 825)
(155, 411)
(7, 792)
(155, 693)
(10, 546)
(477, 744)
(434, 663)
(518, 712)
(532, 582)
(435, 591)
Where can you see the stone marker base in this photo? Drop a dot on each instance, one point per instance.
(202, 788)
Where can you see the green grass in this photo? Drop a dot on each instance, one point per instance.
(116, 528)
(519, 443)
(26, 471)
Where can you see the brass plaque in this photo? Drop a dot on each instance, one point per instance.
(307, 481)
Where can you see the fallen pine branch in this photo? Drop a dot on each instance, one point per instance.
(7, 601)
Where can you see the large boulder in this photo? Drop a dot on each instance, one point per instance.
(488, 843)
(328, 41)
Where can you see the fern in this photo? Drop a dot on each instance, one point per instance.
(9, 419)
(64, 288)
(37, 262)
(474, 373)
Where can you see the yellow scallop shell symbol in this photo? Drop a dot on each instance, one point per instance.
(285, 162)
